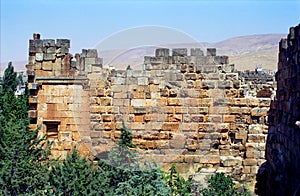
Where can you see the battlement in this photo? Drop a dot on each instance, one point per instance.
(50, 57)
(184, 106)
(180, 60)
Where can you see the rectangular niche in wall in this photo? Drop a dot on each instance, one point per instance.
(52, 127)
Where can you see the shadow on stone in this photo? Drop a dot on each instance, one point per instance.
(261, 180)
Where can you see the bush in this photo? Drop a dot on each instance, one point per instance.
(221, 185)
(122, 173)
(178, 185)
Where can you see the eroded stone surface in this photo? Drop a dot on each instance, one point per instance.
(194, 110)
(282, 169)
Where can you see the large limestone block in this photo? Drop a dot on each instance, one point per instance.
(229, 161)
(49, 57)
(175, 101)
(48, 42)
(212, 159)
(39, 56)
(161, 52)
(257, 111)
(256, 138)
(250, 162)
(196, 52)
(179, 52)
(211, 52)
(170, 126)
(142, 81)
(47, 65)
(208, 84)
(63, 43)
(178, 141)
(257, 129)
(138, 102)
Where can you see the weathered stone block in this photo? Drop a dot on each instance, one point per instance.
(196, 52)
(39, 56)
(210, 159)
(208, 84)
(230, 161)
(47, 65)
(48, 42)
(63, 43)
(257, 111)
(235, 110)
(107, 117)
(162, 52)
(170, 126)
(49, 57)
(226, 84)
(249, 162)
(139, 110)
(179, 52)
(214, 118)
(138, 102)
(174, 101)
(257, 138)
(105, 101)
(257, 129)
(143, 81)
(197, 118)
(90, 61)
(175, 117)
(211, 52)
(178, 142)
(190, 76)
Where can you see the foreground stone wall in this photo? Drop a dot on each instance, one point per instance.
(192, 109)
(283, 143)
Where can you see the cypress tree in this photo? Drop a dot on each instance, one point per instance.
(122, 174)
(22, 154)
(75, 175)
(10, 78)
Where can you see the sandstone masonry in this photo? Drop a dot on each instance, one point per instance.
(282, 168)
(193, 109)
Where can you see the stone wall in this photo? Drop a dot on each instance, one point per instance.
(283, 143)
(57, 92)
(190, 109)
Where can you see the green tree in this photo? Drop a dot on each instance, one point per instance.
(122, 173)
(10, 78)
(75, 175)
(124, 154)
(178, 185)
(128, 68)
(22, 154)
(221, 185)
(144, 181)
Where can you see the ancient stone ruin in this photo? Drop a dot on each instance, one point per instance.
(282, 168)
(193, 109)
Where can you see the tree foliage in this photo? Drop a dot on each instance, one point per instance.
(25, 167)
(10, 80)
(221, 185)
(122, 173)
(178, 185)
(22, 153)
(75, 175)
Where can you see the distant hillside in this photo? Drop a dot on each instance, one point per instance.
(245, 52)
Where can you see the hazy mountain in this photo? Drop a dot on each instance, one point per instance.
(245, 52)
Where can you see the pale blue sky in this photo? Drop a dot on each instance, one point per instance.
(88, 22)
